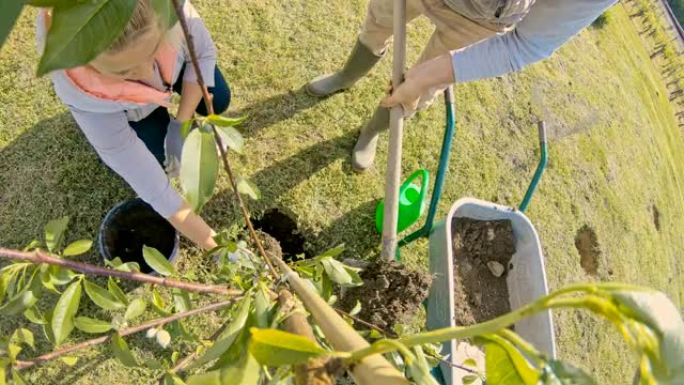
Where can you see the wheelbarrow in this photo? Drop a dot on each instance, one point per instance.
(526, 280)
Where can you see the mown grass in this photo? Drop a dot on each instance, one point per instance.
(615, 152)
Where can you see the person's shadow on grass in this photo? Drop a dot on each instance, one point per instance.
(50, 171)
(268, 112)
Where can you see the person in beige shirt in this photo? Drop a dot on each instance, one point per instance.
(472, 39)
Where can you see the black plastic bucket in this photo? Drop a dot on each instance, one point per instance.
(129, 226)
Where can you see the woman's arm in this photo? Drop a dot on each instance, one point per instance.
(549, 25)
(193, 227)
(190, 98)
(120, 148)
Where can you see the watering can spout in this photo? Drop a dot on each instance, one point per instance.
(412, 199)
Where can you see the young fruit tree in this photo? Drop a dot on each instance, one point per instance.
(280, 321)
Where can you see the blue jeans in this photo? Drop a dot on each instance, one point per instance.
(152, 129)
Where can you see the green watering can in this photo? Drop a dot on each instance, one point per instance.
(411, 202)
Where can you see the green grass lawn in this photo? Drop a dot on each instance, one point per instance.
(615, 153)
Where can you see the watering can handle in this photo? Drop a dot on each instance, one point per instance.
(424, 175)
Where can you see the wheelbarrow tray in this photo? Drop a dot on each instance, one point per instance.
(526, 280)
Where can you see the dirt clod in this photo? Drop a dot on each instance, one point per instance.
(391, 293)
(587, 246)
(482, 250)
(656, 217)
(496, 268)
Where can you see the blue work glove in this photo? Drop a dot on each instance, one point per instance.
(173, 148)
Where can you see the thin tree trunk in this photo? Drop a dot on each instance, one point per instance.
(315, 372)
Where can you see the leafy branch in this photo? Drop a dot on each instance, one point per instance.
(178, 6)
(122, 333)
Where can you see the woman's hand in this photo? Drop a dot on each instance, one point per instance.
(419, 80)
(193, 227)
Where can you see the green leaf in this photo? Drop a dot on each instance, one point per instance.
(163, 338)
(65, 310)
(116, 291)
(181, 300)
(334, 252)
(262, 307)
(116, 264)
(245, 372)
(470, 362)
(13, 351)
(157, 261)
(337, 272)
(507, 366)
(60, 276)
(248, 188)
(69, 360)
(153, 363)
(47, 329)
(34, 244)
(158, 303)
(52, 3)
(419, 369)
(650, 307)
(231, 138)
(223, 121)
(357, 309)
(23, 336)
(199, 168)
(17, 378)
(186, 126)
(77, 248)
(172, 379)
(34, 315)
(9, 13)
(47, 281)
(469, 379)
(135, 309)
(54, 233)
(273, 347)
(81, 31)
(101, 297)
(166, 12)
(19, 303)
(560, 373)
(227, 338)
(4, 363)
(92, 326)
(656, 311)
(122, 352)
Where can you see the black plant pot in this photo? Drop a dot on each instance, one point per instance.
(129, 226)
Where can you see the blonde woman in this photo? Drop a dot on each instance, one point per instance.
(120, 101)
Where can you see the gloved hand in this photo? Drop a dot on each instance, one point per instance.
(173, 148)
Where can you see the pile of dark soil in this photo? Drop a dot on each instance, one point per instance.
(391, 293)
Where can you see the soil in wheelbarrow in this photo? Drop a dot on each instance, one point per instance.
(391, 293)
(482, 253)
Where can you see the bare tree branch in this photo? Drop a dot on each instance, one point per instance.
(38, 257)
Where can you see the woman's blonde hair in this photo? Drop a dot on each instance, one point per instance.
(144, 18)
